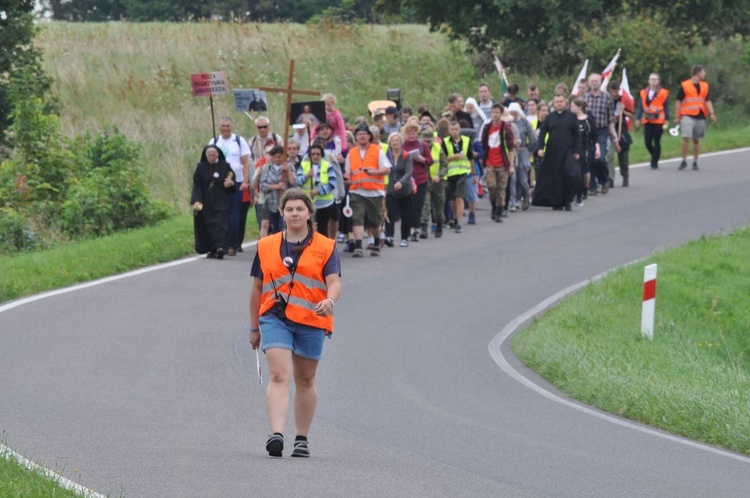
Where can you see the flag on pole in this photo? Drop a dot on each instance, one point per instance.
(609, 71)
(503, 78)
(581, 76)
(626, 98)
(625, 87)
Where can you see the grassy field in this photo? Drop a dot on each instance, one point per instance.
(137, 77)
(694, 378)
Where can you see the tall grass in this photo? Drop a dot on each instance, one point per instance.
(137, 77)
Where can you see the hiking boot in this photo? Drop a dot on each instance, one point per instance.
(415, 236)
(683, 165)
(625, 180)
(423, 231)
(389, 241)
(458, 228)
(695, 166)
(525, 204)
(494, 213)
(439, 230)
(605, 188)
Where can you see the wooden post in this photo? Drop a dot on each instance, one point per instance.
(289, 91)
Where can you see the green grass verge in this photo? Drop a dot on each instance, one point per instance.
(76, 262)
(18, 481)
(719, 137)
(693, 378)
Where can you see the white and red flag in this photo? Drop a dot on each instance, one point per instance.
(609, 71)
(503, 78)
(581, 76)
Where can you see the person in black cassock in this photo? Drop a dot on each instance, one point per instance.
(559, 147)
(213, 185)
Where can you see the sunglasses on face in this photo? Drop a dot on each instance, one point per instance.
(262, 127)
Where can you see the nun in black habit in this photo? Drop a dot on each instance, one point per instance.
(559, 146)
(213, 185)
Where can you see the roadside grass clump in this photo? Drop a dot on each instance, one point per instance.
(694, 378)
(18, 480)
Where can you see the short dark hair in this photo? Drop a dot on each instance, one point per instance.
(276, 149)
(513, 89)
(532, 87)
(319, 147)
(407, 110)
(580, 103)
(697, 69)
(614, 85)
(498, 105)
(453, 97)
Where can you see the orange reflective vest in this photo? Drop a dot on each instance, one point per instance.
(655, 108)
(308, 286)
(359, 179)
(694, 102)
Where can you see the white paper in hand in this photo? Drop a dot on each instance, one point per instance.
(257, 364)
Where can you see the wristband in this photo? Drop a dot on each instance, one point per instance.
(254, 330)
(333, 304)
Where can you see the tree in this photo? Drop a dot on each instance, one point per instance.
(17, 32)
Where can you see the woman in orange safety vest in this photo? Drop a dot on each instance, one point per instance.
(295, 287)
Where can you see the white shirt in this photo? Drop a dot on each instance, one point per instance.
(233, 153)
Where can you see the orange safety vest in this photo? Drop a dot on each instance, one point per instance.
(308, 286)
(359, 179)
(694, 102)
(656, 108)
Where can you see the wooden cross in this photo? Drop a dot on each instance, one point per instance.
(289, 91)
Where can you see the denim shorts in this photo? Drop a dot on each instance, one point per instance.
(301, 340)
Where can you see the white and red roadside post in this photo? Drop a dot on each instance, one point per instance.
(649, 301)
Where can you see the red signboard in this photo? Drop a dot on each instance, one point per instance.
(207, 84)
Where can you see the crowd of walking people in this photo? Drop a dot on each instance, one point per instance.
(351, 182)
(426, 168)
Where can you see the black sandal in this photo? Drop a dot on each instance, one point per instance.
(275, 445)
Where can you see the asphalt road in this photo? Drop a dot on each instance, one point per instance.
(146, 384)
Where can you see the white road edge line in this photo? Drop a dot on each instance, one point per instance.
(9, 454)
(499, 359)
(495, 348)
(5, 451)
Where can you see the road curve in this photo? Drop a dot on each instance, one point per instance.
(146, 384)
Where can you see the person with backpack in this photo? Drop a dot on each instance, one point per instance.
(497, 146)
(237, 154)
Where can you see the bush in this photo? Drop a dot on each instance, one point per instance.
(15, 235)
(647, 46)
(109, 193)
